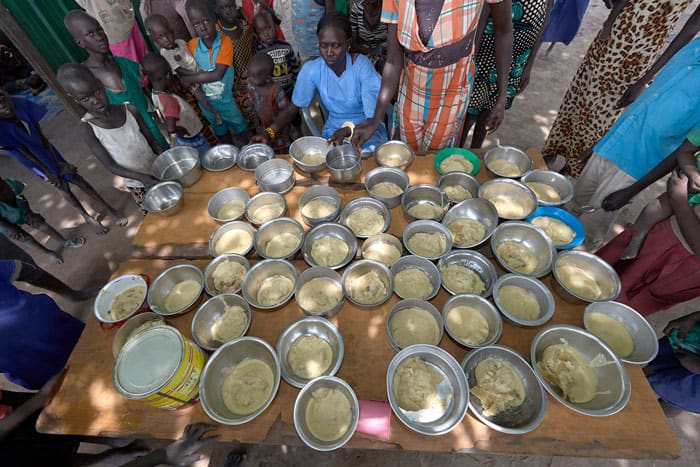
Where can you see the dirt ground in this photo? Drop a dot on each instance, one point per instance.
(526, 125)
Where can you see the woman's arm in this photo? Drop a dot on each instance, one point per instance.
(688, 221)
(152, 142)
(605, 31)
(502, 16)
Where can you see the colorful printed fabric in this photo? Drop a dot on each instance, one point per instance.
(305, 17)
(242, 53)
(268, 102)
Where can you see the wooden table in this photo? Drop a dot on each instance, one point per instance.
(87, 403)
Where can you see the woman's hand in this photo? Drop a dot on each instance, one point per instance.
(630, 95)
(363, 132)
(496, 116)
(340, 134)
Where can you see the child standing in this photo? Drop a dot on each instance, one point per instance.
(213, 52)
(116, 134)
(184, 127)
(286, 64)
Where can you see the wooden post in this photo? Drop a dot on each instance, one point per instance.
(19, 38)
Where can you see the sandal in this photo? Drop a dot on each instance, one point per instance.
(74, 242)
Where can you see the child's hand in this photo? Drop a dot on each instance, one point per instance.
(219, 120)
(677, 185)
(260, 138)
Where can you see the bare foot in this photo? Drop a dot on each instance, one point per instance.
(98, 228)
(634, 246)
(55, 258)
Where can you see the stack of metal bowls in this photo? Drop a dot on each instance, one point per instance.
(220, 157)
(344, 163)
(179, 164)
(164, 199)
(275, 175)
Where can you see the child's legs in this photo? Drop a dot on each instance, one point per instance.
(70, 197)
(38, 222)
(221, 130)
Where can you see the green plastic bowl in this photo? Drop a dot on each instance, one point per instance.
(468, 155)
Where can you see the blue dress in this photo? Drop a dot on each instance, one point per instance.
(564, 21)
(351, 96)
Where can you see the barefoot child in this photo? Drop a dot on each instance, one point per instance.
(184, 127)
(116, 134)
(22, 139)
(286, 64)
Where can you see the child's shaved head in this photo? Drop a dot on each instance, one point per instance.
(74, 73)
(156, 20)
(86, 31)
(261, 64)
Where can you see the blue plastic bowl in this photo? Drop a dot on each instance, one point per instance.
(565, 217)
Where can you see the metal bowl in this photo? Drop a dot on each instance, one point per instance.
(417, 262)
(385, 238)
(359, 203)
(271, 229)
(227, 356)
(540, 291)
(452, 390)
(483, 306)
(430, 227)
(166, 281)
(324, 193)
(209, 313)
(222, 197)
(614, 386)
(518, 421)
(275, 175)
(220, 157)
(221, 230)
(125, 330)
(305, 145)
(344, 163)
(302, 402)
(646, 346)
(561, 183)
(511, 154)
(396, 154)
(103, 301)
(357, 269)
(164, 199)
(478, 209)
(309, 326)
(330, 230)
(532, 237)
(462, 179)
(387, 175)
(319, 272)
(209, 270)
(412, 303)
(506, 188)
(425, 194)
(263, 271)
(263, 199)
(252, 155)
(471, 260)
(179, 164)
(601, 271)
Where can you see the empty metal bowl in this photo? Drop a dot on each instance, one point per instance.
(209, 313)
(428, 227)
(646, 346)
(517, 421)
(462, 179)
(544, 298)
(125, 330)
(228, 356)
(425, 194)
(561, 183)
(371, 203)
(252, 155)
(179, 164)
(103, 300)
(224, 196)
(307, 145)
(164, 199)
(614, 387)
(386, 175)
(208, 271)
(595, 267)
(261, 200)
(412, 303)
(452, 390)
(262, 272)
(476, 209)
(330, 230)
(378, 239)
(326, 274)
(530, 236)
(396, 154)
(274, 228)
(320, 193)
(220, 232)
(309, 326)
(417, 262)
(485, 308)
(471, 260)
(344, 163)
(166, 281)
(275, 175)
(302, 403)
(510, 154)
(220, 157)
(512, 199)
(357, 270)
